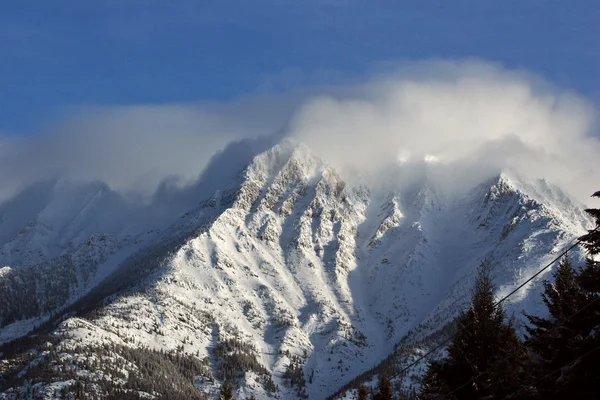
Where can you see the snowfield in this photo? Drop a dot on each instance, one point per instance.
(315, 275)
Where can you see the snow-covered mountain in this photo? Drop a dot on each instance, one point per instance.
(272, 271)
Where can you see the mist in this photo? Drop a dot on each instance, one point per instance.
(468, 119)
(135, 148)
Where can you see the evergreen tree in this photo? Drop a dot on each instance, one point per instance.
(590, 275)
(384, 390)
(226, 393)
(362, 392)
(551, 339)
(485, 349)
(583, 375)
(566, 345)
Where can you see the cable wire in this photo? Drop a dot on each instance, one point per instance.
(507, 358)
(443, 343)
(550, 373)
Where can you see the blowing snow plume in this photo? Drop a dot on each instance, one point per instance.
(134, 148)
(471, 118)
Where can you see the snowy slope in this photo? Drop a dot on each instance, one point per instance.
(320, 276)
(59, 240)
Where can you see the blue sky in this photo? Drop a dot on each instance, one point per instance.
(121, 52)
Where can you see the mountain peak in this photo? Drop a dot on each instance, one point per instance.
(285, 261)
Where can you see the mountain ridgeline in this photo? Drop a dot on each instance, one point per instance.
(272, 276)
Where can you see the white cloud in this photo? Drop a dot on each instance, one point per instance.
(471, 118)
(474, 118)
(133, 148)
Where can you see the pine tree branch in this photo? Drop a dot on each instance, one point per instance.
(512, 355)
(551, 373)
(446, 341)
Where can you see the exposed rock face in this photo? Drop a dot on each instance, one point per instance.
(313, 277)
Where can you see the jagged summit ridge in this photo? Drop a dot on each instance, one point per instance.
(311, 269)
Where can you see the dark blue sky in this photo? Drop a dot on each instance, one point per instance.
(116, 52)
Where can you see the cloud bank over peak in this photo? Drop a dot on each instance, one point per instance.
(470, 118)
(134, 148)
(467, 118)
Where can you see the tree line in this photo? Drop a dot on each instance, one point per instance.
(557, 358)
